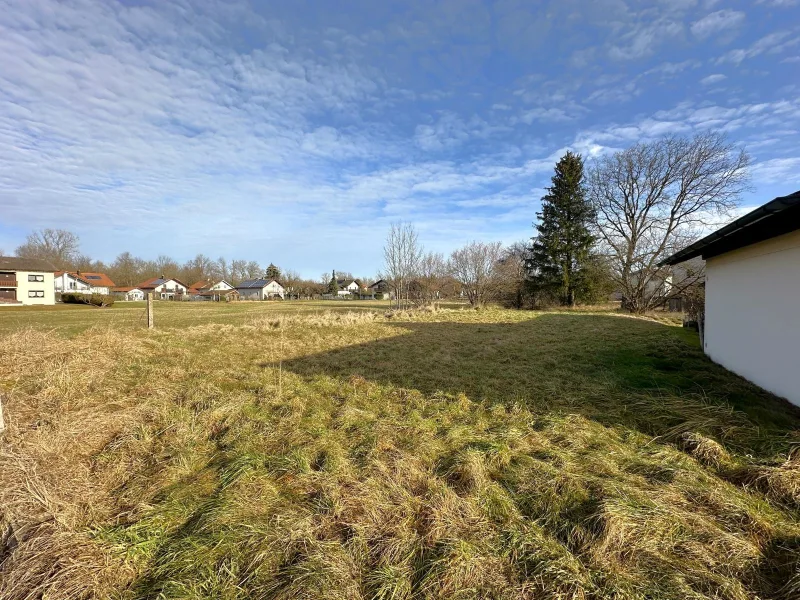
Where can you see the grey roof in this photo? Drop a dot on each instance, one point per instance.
(16, 263)
(256, 283)
(777, 217)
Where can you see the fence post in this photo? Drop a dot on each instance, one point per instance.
(2, 422)
(150, 323)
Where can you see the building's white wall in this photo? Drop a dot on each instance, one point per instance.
(24, 286)
(753, 315)
(273, 288)
(221, 285)
(169, 289)
(69, 284)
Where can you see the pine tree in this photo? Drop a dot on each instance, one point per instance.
(273, 272)
(333, 286)
(562, 247)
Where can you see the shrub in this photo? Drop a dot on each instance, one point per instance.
(378, 295)
(99, 300)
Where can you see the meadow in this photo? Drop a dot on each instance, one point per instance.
(337, 450)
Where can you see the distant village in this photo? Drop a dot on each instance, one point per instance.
(32, 281)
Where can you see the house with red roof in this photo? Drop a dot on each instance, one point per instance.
(81, 282)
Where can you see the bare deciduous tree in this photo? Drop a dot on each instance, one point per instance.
(513, 274)
(429, 279)
(57, 246)
(655, 198)
(476, 268)
(401, 254)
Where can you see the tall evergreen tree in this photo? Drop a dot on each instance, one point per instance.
(273, 272)
(333, 286)
(562, 247)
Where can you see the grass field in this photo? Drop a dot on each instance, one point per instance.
(288, 451)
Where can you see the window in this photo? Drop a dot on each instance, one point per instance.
(35, 294)
(35, 277)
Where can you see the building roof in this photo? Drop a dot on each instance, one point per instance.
(256, 283)
(92, 279)
(97, 279)
(18, 263)
(777, 217)
(126, 288)
(379, 282)
(153, 283)
(202, 284)
(346, 282)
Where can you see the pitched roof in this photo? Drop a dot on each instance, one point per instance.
(92, 279)
(154, 282)
(202, 284)
(777, 217)
(18, 263)
(256, 283)
(96, 279)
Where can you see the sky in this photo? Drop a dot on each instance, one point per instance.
(296, 132)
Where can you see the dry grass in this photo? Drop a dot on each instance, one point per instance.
(429, 454)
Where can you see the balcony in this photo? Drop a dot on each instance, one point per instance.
(8, 283)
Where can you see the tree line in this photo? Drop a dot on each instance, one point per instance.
(61, 248)
(601, 230)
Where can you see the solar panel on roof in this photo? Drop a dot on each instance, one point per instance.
(92, 277)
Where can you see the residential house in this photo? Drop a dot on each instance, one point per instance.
(78, 282)
(213, 290)
(128, 293)
(260, 289)
(382, 287)
(209, 285)
(752, 283)
(348, 286)
(164, 288)
(25, 281)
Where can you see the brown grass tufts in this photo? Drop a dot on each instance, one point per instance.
(703, 449)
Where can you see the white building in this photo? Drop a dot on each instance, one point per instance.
(78, 282)
(164, 288)
(26, 281)
(347, 287)
(752, 322)
(260, 289)
(129, 293)
(211, 286)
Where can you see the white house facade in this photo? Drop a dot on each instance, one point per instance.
(163, 288)
(129, 293)
(65, 282)
(82, 283)
(26, 281)
(260, 289)
(752, 287)
(347, 287)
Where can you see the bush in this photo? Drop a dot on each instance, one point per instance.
(99, 300)
(378, 295)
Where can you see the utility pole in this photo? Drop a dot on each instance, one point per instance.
(150, 324)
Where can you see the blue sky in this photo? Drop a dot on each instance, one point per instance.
(295, 132)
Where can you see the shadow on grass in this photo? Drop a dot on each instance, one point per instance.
(617, 371)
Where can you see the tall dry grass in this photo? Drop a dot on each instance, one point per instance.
(265, 460)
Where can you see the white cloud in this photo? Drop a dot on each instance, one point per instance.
(717, 22)
(777, 170)
(772, 43)
(712, 79)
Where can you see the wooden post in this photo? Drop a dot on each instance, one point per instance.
(150, 323)
(2, 422)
